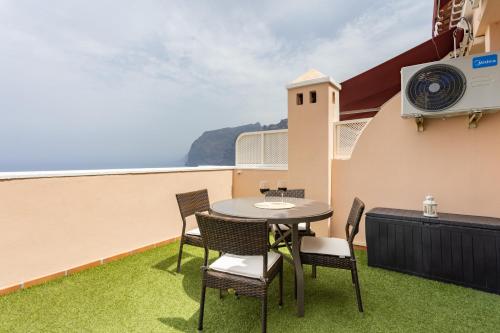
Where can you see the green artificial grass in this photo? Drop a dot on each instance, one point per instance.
(142, 293)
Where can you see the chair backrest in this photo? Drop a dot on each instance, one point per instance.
(192, 202)
(352, 225)
(294, 193)
(234, 236)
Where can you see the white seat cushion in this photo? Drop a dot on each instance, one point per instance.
(194, 232)
(325, 245)
(302, 226)
(249, 266)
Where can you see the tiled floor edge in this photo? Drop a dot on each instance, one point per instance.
(73, 270)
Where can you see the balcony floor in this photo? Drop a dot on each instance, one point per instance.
(142, 293)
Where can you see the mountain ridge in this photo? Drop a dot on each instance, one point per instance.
(216, 147)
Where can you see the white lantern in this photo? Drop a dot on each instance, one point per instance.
(430, 206)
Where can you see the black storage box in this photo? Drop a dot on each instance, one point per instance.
(460, 249)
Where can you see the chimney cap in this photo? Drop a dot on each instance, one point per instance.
(310, 77)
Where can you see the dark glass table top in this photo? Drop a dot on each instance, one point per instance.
(305, 210)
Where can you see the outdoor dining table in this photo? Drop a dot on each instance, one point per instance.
(305, 210)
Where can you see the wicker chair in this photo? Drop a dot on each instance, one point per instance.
(190, 203)
(304, 227)
(336, 252)
(246, 266)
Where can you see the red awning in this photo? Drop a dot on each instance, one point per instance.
(362, 95)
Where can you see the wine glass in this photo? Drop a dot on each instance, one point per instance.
(282, 187)
(264, 187)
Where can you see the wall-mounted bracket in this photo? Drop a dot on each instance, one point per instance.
(474, 118)
(420, 123)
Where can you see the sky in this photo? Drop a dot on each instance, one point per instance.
(130, 84)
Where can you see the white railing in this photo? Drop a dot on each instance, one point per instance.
(347, 134)
(456, 12)
(262, 149)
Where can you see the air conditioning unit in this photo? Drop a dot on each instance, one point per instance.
(451, 87)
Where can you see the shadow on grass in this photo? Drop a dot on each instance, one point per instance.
(182, 324)
(332, 289)
(191, 284)
(190, 272)
(169, 265)
(229, 314)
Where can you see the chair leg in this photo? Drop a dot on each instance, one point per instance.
(295, 285)
(220, 290)
(356, 285)
(180, 256)
(202, 305)
(281, 286)
(264, 314)
(313, 271)
(352, 276)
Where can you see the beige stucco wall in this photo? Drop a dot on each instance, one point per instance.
(310, 141)
(246, 181)
(53, 224)
(492, 36)
(395, 166)
(486, 13)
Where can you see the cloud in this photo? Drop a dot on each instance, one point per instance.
(372, 37)
(132, 84)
